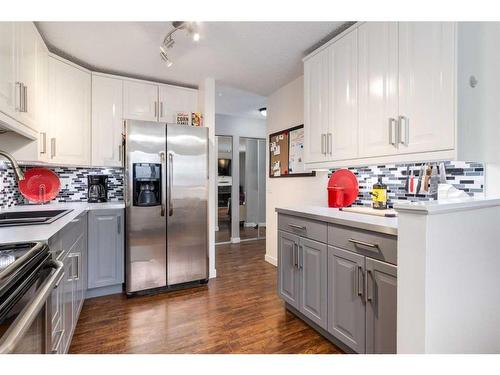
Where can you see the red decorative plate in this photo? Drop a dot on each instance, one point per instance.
(346, 179)
(40, 185)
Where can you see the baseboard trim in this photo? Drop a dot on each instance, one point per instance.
(272, 260)
(249, 224)
(235, 240)
(104, 291)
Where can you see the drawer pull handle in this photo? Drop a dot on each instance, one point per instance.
(363, 243)
(295, 226)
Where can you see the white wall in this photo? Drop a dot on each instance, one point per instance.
(478, 108)
(285, 108)
(237, 127)
(206, 103)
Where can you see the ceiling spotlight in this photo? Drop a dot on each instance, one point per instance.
(196, 36)
(163, 54)
(263, 111)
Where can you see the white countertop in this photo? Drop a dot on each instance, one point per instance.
(42, 232)
(446, 205)
(387, 225)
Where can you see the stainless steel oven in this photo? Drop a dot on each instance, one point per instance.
(28, 275)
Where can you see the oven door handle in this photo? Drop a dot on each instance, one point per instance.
(23, 322)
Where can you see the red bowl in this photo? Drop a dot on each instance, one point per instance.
(40, 185)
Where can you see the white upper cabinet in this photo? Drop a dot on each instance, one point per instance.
(176, 99)
(107, 121)
(342, 135)
(8, 100)
(378, 88)
(140, 100)
(316, 106)
(26, 46)
(427, 75)
(41, 102)
(391, 95)
(69, 113)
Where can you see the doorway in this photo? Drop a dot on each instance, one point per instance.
(224, 188)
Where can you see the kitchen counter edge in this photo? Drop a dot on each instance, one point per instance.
(359, 221)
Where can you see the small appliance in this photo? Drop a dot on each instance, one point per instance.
(97, 188)
(342, 189)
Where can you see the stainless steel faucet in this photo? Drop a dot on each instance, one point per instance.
(17, 169)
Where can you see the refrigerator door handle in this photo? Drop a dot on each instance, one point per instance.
(163, 192)
(170, 183)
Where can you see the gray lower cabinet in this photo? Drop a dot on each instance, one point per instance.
(381, 307)
(346, 305)
(313, 280)
(288, 271)
(302, 275)
(70, 247)
(347, 286)
(106, 248)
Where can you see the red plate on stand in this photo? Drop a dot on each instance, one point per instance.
(40, 185)
(346, 181)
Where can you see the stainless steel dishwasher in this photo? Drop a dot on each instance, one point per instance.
(28, 275)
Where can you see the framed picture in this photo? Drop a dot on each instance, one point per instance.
(286, 153)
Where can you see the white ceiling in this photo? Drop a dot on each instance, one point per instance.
(258, 57)
(236, 102)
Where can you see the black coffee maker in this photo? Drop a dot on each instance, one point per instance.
(97, 188)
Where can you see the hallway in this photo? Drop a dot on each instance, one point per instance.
(238, 312)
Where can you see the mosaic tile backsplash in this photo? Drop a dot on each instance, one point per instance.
(73, 184)
(466, 176)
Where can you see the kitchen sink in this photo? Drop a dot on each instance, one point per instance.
(30, 217)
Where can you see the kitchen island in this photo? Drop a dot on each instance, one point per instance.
(338, 272)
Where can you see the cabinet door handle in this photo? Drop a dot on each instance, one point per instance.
(18, 97)
(360, 283)
(296, 255)
(55, 348)
(44, 143)
(156, 109)
(330, 143)
(119, 225)
(52, 148)
(406, 140)
(25, 98)
(323, 144)
(161, 109)
(301, 257)
(369, 289)
(120, 153)
(393, 132)
(295, 226)
(363, 243)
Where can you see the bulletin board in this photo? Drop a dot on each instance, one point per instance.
(286, 152)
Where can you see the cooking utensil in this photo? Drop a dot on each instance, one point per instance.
(40, 185)
(420, 176)
(346, 179)
(407, 183)
(442, 173)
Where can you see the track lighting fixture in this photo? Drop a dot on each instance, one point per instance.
(263, 111)
(168, 41)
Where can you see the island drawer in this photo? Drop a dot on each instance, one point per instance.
(371, 244)
(315, 230)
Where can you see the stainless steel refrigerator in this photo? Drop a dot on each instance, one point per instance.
(166, 193)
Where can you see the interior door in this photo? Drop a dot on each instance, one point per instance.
(342, 134)
(140, 101)
(316, 95)
(346, 307)
(378, 88)
(288, 268)
(187, 197)
(313, 288)
(427, 77)
(381, 307)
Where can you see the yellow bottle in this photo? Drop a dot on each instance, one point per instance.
(379, 195)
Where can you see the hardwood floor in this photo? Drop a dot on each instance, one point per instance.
(238, 312)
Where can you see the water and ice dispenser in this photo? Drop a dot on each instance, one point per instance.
(146, 184)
